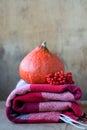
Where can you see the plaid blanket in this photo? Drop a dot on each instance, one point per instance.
(36, 103)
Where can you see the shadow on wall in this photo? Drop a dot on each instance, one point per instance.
(10, 58)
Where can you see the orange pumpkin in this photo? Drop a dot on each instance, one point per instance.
(38, 63)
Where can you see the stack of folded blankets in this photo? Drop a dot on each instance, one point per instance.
(43, 103)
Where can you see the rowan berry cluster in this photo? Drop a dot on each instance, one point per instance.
(59, 78)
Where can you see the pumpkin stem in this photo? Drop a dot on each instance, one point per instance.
(43, 44)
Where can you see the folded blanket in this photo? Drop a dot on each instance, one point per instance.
(35, 103)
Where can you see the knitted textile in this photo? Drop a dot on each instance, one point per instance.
(36, 103)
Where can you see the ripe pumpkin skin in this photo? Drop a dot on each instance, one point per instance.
(38, 63)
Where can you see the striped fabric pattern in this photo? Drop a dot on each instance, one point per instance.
(36, 103)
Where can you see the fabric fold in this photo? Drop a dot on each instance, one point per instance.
(35, 103)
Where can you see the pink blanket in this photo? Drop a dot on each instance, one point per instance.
(35, 103)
